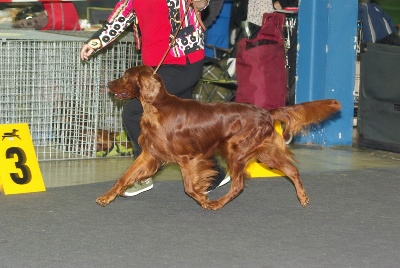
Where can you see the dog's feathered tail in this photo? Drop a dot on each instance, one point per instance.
(298, 116)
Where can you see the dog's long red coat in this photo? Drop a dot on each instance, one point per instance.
(189, 133)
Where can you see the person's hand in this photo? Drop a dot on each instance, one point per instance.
(277, 5)
(200, 4)
(86, 51)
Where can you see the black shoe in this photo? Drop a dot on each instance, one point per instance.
(226, 179)
(221, 179)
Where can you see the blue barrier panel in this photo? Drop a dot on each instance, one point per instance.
(326, 65)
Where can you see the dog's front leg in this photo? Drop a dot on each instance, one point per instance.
(143, 167)
(195, 191)
(237, 173)
(197, 175)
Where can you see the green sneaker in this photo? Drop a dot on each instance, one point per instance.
(138, 188)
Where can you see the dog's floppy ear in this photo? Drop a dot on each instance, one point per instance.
(149, 86)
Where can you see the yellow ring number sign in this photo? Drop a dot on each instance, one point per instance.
(19, 168)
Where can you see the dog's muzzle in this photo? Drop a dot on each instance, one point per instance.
(118, 96)
(121, 96)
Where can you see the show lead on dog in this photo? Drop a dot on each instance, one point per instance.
(155, 23)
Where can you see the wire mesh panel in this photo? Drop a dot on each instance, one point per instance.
(64, 101)
(111, 138)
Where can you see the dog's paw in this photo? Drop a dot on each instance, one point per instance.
(213, 205)
(304, 201)
(102, 201)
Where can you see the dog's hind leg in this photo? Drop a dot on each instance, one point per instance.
(279, 157)
(142, 168)
(293, 173)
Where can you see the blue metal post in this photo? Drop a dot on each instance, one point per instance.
(326, 65)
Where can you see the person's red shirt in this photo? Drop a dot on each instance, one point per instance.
(155, 29)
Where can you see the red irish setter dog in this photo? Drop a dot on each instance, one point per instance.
(189, 133)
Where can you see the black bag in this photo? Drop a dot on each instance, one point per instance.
(379, 101)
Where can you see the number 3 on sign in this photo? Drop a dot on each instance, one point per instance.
(20, 171)
(20, 164)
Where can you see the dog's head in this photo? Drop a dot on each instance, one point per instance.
(137, 82)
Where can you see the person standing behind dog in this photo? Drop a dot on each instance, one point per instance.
(256, 8)
(282, 4)
(155, 22)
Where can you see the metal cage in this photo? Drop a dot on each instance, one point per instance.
(65, 101)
